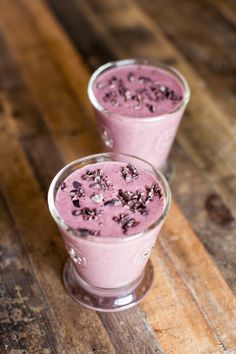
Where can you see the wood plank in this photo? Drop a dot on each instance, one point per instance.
(213, 57)
(35, 155)
(42, 242)
(227, 10)
(214, 223)
(66, 116)
(177, 320)
(210, 292)
(130, 332)
(74, 23)
(26, 120)
(209, 151)
(26, 320)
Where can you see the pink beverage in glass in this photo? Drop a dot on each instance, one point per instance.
(109, 209)
(139, 105)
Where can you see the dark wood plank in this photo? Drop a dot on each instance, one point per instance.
(26, 319)
(131, 332)
(213, 56)
(209, 151)
(69, 14)
(213, 222)
(26, 120)
(227, 9)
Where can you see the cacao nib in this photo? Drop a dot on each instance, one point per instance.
(135, 201)
(86, 232)
(129, 173)
(112, 202)
(143, 79)
(125, 221)
(91, 175)
(76, 203)
(99, 180)
(130, 77)
(77, 192)
(63, 186)
(150, 107)
(90, 214)
(76, 184)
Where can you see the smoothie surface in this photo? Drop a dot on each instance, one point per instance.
(138, 91)
(110, 199)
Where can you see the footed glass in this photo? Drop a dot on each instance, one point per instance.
(108, 273)
(149, 137)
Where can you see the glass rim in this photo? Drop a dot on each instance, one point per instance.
(106, 239)
(148, 62)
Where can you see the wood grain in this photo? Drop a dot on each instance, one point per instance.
(26, 321)
(227, 9)
(45, 112)
(212, 56)
(45, 250)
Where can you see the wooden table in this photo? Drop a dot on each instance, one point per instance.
(47, 52)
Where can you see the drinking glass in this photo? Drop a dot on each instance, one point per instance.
(150, 138)
(108, 273)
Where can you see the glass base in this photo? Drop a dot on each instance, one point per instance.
(106, 300)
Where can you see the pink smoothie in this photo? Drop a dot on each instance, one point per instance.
(110, 202)
(138, 108)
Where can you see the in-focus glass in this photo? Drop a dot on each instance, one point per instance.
(108, 273)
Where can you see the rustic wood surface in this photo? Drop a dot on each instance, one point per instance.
(47, 52)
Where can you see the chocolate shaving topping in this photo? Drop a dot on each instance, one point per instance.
(113, 202)
(91, 175)
(130, 77)
(143, 79)
(76, 212)
(147, 95)
(99, 180)
(77, 192)
(63, 186)
(90, 214)
(134, 201)
(86, 232)
(137, 201)
(150, 107)
(76, 184)
(102, 184)
(76, 203)
(125, 221)
(152, 191)
(129, 173)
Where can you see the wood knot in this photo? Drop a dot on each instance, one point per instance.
(218, 212)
